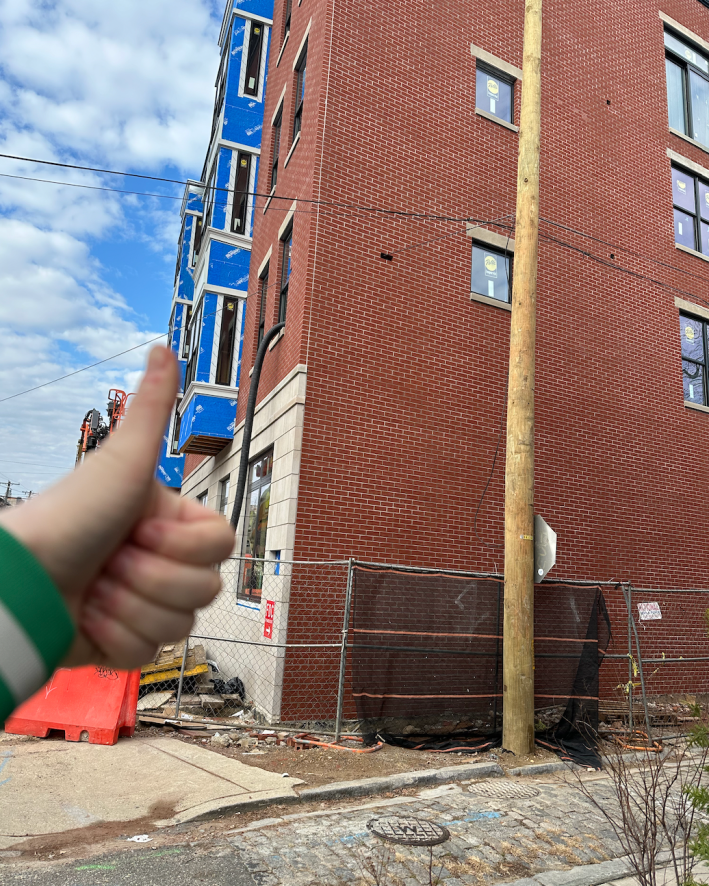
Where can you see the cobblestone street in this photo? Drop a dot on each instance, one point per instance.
(491, 838)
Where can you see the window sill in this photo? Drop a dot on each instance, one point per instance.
(292, 148)
(691, 141)
(248, 604)
(691, 252)
(276, 339)
(488, 116)
(251, 371)
(285, 42)
(270, 197)
(696, 406)
(493, 302)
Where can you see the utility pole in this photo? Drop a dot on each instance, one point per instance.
(518, 640)
(10, 484)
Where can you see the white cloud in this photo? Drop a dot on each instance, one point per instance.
(120, 85)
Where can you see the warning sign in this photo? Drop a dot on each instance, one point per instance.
(268, 624)
(649, 611)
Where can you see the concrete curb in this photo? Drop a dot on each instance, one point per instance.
(364, 787)
(367, 786)
(587, 874)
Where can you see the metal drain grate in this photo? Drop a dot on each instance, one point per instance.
(408, 831)
(503, 790)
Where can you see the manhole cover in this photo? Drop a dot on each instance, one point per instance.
(503, 790)
(409, 831)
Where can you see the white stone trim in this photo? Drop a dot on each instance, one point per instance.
(488, 116)
(691, 308)
(299, 53)
(283, 47)
(279, 104)
(292, 148)
(198, 388)
(698, 406)
(266, 260)
(689, 251)
(287, 220)
(688, 164)
(685, 32)
(488, 58)
(493, 302)
(491, 238)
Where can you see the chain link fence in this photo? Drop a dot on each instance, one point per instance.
(270, 647)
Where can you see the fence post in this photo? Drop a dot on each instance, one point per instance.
(343, 653)
(627, 593)
(631, 620)
(182, 677)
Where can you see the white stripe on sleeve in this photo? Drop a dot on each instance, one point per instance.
(21, 666)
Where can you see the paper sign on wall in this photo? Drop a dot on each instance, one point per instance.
(268, 624)
(649, 611)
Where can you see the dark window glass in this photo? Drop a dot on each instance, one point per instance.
(176, 432)
(224, 495)
(253, 59)
(694, 359)
(227, 337)
(209, 195)
(257, 503)
(197, 239)
(287, 18)
(187, 316)
(491, 274)
(263, 293)
(299, 94)
(276, 148)
(180, 244)
(195, 336)
(687, 73)
(690, 197)
(285, 275)
(241, 194)
(493, 93)
(221, 80)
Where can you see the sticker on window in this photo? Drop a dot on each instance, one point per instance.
(682, 185)
(689, 332)
(490, 266)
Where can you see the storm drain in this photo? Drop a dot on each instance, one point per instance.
(408, 831)
(503, 790)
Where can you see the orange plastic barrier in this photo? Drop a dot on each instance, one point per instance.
(92, 703)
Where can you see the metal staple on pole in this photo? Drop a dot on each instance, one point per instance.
(343, 653)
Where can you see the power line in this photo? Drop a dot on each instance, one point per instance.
(49, 181)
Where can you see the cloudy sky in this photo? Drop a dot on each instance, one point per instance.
(126, 85)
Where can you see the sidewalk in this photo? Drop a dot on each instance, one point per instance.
(53, 787)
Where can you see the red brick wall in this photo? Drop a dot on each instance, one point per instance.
(406, 376)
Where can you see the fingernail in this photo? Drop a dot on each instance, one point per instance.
(159, 358)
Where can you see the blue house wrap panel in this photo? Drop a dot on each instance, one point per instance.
(204, 360)
(221, 193)
(228, 266)
(194, 203)
(185, 287)
(170, 467)
(255, 7)
(243, 125)
(174, 343)
(208, 417)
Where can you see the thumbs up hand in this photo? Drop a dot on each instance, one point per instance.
(131, 558)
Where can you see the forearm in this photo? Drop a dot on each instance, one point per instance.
(35, 627)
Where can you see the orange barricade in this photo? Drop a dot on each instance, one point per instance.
(92, 703)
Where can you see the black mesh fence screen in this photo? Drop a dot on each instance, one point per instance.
(426, 659)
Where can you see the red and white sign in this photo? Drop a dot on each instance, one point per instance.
(268, 624)
(649, 611)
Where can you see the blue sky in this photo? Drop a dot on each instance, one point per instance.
(84, 274)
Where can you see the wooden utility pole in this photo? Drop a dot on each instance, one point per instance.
(518, 642)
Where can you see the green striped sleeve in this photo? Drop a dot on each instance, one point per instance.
(35, 627)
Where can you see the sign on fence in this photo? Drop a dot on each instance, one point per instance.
(649, 611)
(268, 623)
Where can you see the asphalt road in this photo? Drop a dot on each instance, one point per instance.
(178, 866)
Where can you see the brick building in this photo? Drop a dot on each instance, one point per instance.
(383, 235)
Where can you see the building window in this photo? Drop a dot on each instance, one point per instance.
(197, 239)
(241, 193)
(276, 148)
(690, 198)
(209, 196)
(202, 499)
(299, 93)
(254, 548)
(175, 442)
(253, 59)
(287, 19)
(687, 89)
(195, 330)
(286, 268)
(224, 496)
(180, 245)
(494, 93)
(263, 294)
(695, 349)
(491, 273)
(186, 317)
(227, 338)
